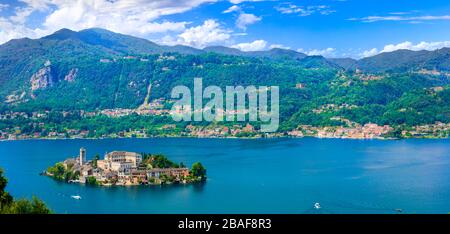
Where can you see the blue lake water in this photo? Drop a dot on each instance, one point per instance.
(250, 176)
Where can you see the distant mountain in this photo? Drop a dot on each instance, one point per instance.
(278, 53)
(317, 61)
(118, 42)
(407, 60)
(346, 63)
(275, 53)
(107, 39)
(107, 42)
(224, 50)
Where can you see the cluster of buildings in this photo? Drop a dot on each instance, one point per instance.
(367, 131)
(437, 129)
(118, 112)
(155, 107)
(120, 168)
(219, 131)
(433, 72)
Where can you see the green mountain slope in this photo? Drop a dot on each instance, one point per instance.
(406, 60)
(97, 69)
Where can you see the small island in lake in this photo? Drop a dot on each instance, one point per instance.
(125, 168)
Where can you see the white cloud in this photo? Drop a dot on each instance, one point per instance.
(368, 53)
(290, 8)
(257, 45)
(9, 30)
(245, 19)
(134, 17)
(371, 19)
(328, 52)
(279, 46)
(3, 6)
(420, 46)
(241, 1)
(233, 8)
(209, 33)
(407, 45)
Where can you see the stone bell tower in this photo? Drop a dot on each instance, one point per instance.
(82, 157)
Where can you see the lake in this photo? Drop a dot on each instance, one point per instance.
(249, 176)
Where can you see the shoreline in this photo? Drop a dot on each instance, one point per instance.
(233, 137)
(78, 183)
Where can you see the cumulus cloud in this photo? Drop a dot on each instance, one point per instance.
(328, 52)
(209, 33)
(290, 8)
(251, 46)
(135, 17)
(245, 19)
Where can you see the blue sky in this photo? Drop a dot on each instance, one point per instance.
(333, 28)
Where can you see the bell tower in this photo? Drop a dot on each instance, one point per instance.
(82, 157)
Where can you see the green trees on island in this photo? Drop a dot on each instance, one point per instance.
(90, 180)
(94, 161)
(161, 161)
(8, 205)
(198, 171)
(158, 161)
(59, 172)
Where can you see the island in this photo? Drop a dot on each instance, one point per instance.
(124, 168)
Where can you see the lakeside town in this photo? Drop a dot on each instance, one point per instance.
(123, 168)
(37, 127)
(40, 125)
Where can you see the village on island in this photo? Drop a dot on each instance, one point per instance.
(124, 168)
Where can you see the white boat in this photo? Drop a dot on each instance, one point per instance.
(77, 197)
(317, 206)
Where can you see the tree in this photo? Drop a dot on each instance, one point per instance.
(161, 161)
(94, 161)
(58, 171)
(23, 206)
(5, 198)
(198, 170)
(91, 180)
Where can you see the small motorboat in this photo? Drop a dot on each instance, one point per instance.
(317, 206)
(76, 197)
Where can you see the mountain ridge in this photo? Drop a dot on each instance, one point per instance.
(111, 42)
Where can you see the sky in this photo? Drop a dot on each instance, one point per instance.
(332, 28)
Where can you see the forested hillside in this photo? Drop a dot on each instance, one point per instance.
(96, 69)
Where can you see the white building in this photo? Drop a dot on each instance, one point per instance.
(121, 162)
(123, 156)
